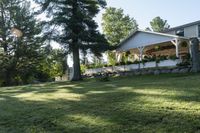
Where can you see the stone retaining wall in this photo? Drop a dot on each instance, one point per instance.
(145, 72)
(133, 67)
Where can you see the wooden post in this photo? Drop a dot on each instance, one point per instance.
(177, 48)
(176, 42)
(140, 54)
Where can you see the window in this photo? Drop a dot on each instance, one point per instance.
(198, 30)
(180, 32)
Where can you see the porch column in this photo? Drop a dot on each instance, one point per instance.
(177, 47)
(140, 52)
(190, 48)
(176, 42)
(118, 56)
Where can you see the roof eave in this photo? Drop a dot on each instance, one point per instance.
(151, 32)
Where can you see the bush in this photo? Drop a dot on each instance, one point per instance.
(173, 57)
(117, 64)
(163, 57)
(129, 62)
(105, 65)
(136, 62)
(122, 63)
(158, 60)
(1, 82)
(183, 64)
(92, 66)
(43, 76)
(83, 68)
(102, 77)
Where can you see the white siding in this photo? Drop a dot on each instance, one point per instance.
(191, 31)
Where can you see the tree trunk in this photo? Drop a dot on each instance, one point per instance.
(194, 42)
(7, 79)
(76, 65)
(75, 48)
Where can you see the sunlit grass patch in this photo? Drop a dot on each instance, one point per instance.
(165, 103)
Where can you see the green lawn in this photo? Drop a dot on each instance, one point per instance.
(166, 103)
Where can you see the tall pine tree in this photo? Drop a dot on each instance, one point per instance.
(74, 27)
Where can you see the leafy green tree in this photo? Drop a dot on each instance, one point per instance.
(117, 26)
(20, 42)
(53, 65)
(158, 24)
(58, 61)
(74, 27)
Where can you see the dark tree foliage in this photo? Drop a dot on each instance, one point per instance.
(20, 42)
(52, 65)
(71, 23)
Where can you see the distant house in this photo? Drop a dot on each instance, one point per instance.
(187, 30)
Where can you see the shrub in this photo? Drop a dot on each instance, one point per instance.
(129, 62)
(183, 64)
(173, 57)
(1, 82)
(105, 65)
(102, 77)
(157, 60)
(136, 62)
(163, 57)
(83, 68)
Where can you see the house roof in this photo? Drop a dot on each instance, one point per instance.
(182, 26)
(152, 33)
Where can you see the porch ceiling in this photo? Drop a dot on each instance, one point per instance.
(150, 47)
(144, 38)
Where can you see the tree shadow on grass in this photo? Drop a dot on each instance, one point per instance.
(37, 88)
(106, 107)
(96, 112)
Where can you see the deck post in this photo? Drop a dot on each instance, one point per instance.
(176, 42)
(190, 48)
(177, 47)
(118, 56)
(141, 49)
(140, 53)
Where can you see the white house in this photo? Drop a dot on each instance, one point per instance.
(141, 44)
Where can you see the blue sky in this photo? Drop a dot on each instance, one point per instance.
(176, 12)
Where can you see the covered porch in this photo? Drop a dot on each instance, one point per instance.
(144, 47)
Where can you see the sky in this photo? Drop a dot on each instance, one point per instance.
(176, 12)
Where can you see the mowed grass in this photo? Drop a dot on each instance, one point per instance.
(165, 103)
